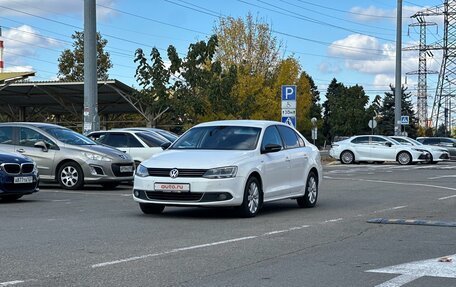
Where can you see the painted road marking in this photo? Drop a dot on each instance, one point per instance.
(417, 269)
(333, 220)
(442, 176)
(393, 182)
(10, 283)
(447, 197)
(135, 258)
(413, 222)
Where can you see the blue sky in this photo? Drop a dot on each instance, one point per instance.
(353, 41)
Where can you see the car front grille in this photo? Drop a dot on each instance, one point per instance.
(116, 169)
(27, 167)
(184, 196)
(183, 172)
(13, 168)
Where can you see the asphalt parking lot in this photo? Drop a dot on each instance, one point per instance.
(96, 237)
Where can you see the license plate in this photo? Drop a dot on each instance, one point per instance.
(172, 187)
(127, 168)
(23, 179)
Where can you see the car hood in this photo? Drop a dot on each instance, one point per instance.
(101, 149)
(13, 158)
(434, 148)
(198, 159)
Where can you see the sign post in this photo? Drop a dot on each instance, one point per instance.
(289, 105)
(404, 122)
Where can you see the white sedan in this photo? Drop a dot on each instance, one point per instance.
(238, 163)
(140, 145)
(436, 153)
(377, 149)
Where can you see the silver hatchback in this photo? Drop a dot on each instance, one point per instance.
(65, 156)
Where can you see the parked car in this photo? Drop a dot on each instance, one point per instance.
(448, 143)
(231, 163)
(436, 153)
(18, 176)
(377, 149)
(65, 156)
(139, 145)
(170, 136)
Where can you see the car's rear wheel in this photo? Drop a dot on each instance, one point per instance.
(151, 208)
(347, 157)
(70, 176)
(404, 158)
(309, 199)
(10, 198)
(252, 198)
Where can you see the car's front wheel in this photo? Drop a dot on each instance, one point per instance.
(309, 199)
(151, 208)
(252, 198)
(404, 158)
(70, 176)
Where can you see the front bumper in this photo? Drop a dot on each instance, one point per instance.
(203, 191)
(8, 187)
(96, 171)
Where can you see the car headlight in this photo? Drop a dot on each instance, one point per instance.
(221, 172)
(94, 156)
(420, 150)
(35, 168)
(142, 171)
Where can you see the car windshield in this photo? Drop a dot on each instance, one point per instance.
(169, 136)
(68, 136)
(219, 138)
(394, 141)
(415, 142)
(150, 139)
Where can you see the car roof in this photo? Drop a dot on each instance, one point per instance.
(247, 123)
(34, 124)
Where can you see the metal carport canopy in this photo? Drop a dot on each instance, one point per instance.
(61, 97)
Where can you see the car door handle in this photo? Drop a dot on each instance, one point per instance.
(21, 150)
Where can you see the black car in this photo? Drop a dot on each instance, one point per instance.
(448, 143)
(18, 176)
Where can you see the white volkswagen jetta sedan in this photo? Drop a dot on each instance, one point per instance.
(376, 148)
(242, 163)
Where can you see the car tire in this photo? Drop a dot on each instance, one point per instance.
(404, 158)
(110, 185)
(70, 176)
(10, 198)
(151, 208)
(347, 157)
(253, 198)
(309, 199)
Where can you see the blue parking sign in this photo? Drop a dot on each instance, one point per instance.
(288, 93)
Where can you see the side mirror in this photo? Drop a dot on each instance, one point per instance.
(388, 144)
(166, 145)
(42, 145)
(271, 148)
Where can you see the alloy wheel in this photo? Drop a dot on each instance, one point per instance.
(69, 176)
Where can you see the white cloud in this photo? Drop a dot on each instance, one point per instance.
(53, 8)
(24, 41)
(329, 68)
(355, 46)
(18, 69)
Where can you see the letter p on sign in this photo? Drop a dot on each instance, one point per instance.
(289, 93)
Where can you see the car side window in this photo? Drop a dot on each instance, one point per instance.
(29, 137)
(360, 140)
(271, 136)
(289, 137)
(6, 135)
(378, 141)
(116, 140)
(132, 141)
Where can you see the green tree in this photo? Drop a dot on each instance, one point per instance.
(386, 121)
(345, 110)
(71, 62)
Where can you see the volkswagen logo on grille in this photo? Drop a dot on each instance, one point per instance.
(174, 173)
